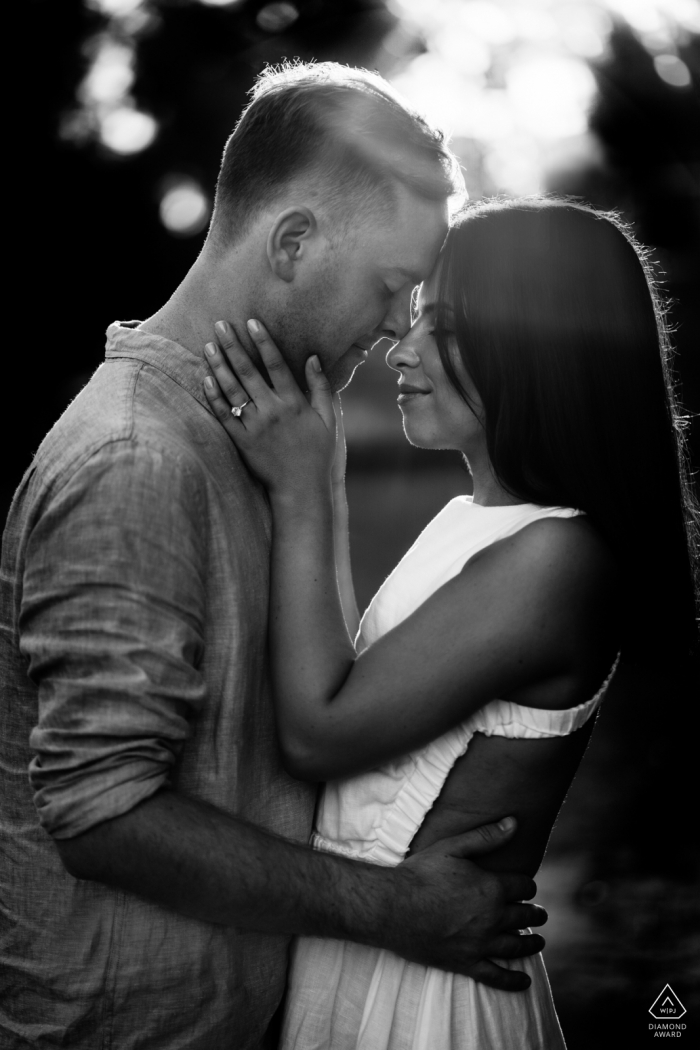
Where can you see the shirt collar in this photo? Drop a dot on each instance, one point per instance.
(184, 367)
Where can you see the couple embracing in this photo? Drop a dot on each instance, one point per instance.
(183, 662)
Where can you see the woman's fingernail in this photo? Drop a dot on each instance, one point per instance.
(209, 384)
(506, 824)
(221, 327)
(210, 349)
(253, 326)
(315, 363)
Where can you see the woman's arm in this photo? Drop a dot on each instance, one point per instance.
(499, 775)
(341, 527)
(525, 611)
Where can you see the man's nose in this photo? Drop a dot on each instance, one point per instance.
(397, 320)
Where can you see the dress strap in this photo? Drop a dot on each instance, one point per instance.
(505, 718)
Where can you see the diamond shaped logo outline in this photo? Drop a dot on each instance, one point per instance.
(676, 1010)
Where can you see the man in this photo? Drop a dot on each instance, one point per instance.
(135, 576)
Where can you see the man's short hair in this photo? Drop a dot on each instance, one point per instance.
(346, 129)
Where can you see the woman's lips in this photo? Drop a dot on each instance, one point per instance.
(407, 393)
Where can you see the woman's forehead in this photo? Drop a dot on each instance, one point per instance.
(428, 291)
(428, 296)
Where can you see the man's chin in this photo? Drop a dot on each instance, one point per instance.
(340, 374)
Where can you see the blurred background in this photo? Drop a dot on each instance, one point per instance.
(126, 105)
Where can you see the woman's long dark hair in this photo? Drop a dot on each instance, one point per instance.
(559, 323)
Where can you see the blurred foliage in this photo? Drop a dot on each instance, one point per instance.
(650, 171)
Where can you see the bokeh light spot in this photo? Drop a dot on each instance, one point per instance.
(469, 54)
(489, 21)
(110, 76)
(672, 70)
(534, 24)
(184, 207)
(126, 130)
(584, 29)
(514, 164)
(274, 18)
(116, 8)
(551, 95)
(437, 89)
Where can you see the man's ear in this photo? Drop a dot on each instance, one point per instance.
(288, 239)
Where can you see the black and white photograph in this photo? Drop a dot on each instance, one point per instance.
(350, 502)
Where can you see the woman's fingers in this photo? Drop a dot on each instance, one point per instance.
(216, 399)
(245, 371)
(282, 380)
(238, 384)
(221, 406)
(226, 382)
(320, 394)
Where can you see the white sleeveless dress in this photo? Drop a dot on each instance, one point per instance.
(345, 996)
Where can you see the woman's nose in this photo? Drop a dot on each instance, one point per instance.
(403, 355)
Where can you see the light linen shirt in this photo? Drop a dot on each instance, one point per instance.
(133, 655)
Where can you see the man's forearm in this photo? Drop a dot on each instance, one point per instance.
(435, 908)
(196, 860)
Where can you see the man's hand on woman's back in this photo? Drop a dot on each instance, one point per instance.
(458, 917)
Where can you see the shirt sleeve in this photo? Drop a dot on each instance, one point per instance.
(111, 623)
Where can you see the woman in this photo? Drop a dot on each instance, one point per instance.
(538, 350)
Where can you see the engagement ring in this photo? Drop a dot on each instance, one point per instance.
(237, 409)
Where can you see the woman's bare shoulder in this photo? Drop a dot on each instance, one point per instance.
(550, 553)
(558, 578)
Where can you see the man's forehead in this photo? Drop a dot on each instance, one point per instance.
(416, 241)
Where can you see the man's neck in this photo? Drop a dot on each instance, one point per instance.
(205, 296)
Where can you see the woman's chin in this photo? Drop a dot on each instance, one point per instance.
(419, 437)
